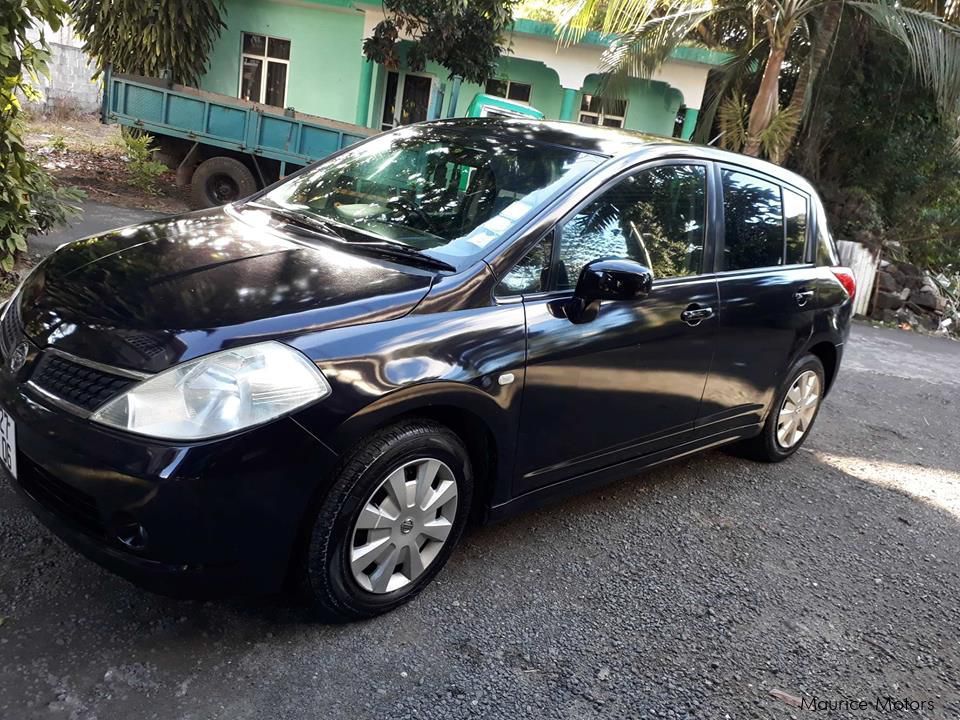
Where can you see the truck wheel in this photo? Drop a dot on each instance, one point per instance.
(221, 180)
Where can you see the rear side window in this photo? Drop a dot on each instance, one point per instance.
(753, 219)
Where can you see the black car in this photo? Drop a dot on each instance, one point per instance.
(454, 320)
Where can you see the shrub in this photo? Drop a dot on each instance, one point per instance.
(144, 170)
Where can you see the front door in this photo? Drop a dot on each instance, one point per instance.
(629, 381)
(406, 99)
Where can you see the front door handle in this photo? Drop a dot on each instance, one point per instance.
(803, 297)
(696, 314)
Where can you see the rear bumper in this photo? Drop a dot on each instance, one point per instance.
(209, 519)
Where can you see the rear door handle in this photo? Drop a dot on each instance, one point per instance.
(695, 314)
(803, 297)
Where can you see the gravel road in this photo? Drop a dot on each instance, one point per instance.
(692, 591)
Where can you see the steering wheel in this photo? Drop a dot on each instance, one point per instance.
(406, 204)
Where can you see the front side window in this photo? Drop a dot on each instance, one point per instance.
(656, 217)
(753, 220)
(448, 192)
(264, 63)
(593, 111)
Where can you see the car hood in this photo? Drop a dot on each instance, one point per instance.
(148, 296)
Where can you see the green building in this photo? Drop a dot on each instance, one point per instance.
(306, 54)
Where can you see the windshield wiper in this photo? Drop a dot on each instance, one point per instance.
(299, 219)
(376, 245)
(389, 249)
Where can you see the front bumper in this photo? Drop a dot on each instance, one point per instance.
(206, 519)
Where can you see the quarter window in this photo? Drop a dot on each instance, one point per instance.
(753, 219)
(656, 217)
(826, 249)
(264, 63)
(795, 210)
(530, 275)
(594, 112)
(520, 92)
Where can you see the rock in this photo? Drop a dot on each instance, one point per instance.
(909, 269)
(888, 301)
(886, 282)
(929, 300)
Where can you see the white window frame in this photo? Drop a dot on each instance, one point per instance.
(601, 116)
(265, 60)
(507, 96)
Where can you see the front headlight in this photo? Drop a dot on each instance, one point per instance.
(217, 394)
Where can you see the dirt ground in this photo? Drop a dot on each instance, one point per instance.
(82, 152)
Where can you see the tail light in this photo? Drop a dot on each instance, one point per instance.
(846, 278)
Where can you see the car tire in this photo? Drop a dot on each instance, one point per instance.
(221, 180)
(775, 442)
(359, 513)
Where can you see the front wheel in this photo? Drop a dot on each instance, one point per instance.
(792, 415)
(390, 521)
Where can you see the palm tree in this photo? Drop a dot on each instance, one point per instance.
(645, 32)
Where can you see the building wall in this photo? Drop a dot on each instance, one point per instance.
(326, 60)
(69, 83)
(651, 106)
(325, 53)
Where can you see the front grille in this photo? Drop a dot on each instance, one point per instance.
(66, 501)
(10, 328)
(80, 385)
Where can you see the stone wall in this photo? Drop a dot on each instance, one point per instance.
(906, 294)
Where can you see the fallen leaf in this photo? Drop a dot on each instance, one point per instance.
(786, 697)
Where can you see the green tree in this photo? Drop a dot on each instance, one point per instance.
(880, 152)
(152, 37)
(765, 32)
(29, 202)
(467, 38)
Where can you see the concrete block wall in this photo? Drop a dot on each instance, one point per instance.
(71, 70)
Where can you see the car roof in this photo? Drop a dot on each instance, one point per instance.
(587, 138)
(613, 142)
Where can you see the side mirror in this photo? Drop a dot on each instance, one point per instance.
(608, 279)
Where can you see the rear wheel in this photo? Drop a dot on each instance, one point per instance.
(221, 180)
(793, 413)
(389, 523)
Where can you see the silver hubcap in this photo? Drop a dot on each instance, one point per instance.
(403, 525)
(798, 409)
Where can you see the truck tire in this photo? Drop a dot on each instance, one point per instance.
(221, 180)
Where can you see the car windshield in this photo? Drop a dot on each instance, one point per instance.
(445, 192)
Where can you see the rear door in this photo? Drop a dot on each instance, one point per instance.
(767, 284)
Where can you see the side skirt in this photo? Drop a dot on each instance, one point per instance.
(585, 482)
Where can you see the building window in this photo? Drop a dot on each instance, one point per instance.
(593, 112)
(264, 63)
(516, 91)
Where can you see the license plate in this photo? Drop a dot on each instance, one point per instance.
(8, 442)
